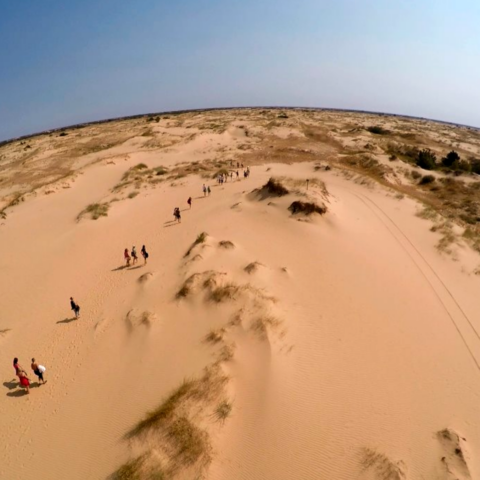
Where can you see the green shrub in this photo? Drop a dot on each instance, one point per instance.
(450, 159)
(427, 159)
(427, 179)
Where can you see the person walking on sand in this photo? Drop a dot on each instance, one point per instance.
(75, 307)
(21, 374)
(208, 190)
(24, 380)
(134, 255)
(189, 201)
(177, 215)
(126, 256)
(38, 370)
(16, 366)
(144, 254)
(204, 190)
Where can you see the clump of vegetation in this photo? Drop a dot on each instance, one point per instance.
(140, 166)
(377, 130)
(282, 115)
(307, 208)
(227, 244)
(224, 293)
(427, 159)
(223, 410)
(450, 159)
(160, 171)
(95, 210)
(426, 179)
(415, 175)
(177, 422)
(274, 187)
(202, 237)
(252, 267)
(215, 336)
(261, 324)
(133, 194)
(63, 134)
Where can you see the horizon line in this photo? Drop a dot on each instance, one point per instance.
(209, 109)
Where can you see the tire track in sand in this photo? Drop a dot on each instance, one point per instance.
(375, 209)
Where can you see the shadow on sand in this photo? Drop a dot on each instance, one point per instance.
(122, 267)
(11, 385)
(67, 320)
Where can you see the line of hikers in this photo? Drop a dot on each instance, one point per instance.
(132, 256)
(38, 370)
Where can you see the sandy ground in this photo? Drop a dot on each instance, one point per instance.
(366, 365)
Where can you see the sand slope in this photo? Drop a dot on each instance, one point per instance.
(345, 344)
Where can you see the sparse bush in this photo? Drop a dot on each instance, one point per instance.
(133, 194)
(450, 159)
(307, 208)
(160, 171)
(415, 175)
(200, 239)
(427, 159)
(282, 115)
(227, 244)
(223, 410)
(475, 165)
(215, 336)
(63, 134)
(426, 179)
(275, 187)
(377, 130)
(140, 166)
(95, 210)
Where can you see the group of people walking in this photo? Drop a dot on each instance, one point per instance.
(133, 257)
(38, 370)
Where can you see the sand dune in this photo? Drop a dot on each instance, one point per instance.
(335, 339)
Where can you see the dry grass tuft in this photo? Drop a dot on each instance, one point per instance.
(253, 267)
(226, 353)
(383, 467)
(307, 208)
(224, 293)
(95, 210)
(226, 244)
(274, 188)
(201, 238)
(215, 336)
(223, 410)
(262, 324)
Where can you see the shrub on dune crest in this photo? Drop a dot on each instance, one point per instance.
(95, 210)
(275, 187)
(307, 208)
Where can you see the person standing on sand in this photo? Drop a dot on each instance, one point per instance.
(144, 254)
(189, 201)
(38, 371)
(204, 190)
(126, 255)
(74, 307)
(16, 366)
(209, 191)
(134, 255)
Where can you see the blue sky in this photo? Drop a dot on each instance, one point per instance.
(74, 61)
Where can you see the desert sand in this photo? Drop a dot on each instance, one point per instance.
(255, 343)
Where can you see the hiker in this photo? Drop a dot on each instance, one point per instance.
(16, 366)
(144, 254)
(74, 307)
(237, 173)
(126, 255)
(177, 215)
(134, 255)
(208, 190)
(189, 201)
(22, 375)
(204, 190)
(24, 380)
(38, 370)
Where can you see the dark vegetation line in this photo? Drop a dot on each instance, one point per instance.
(213, 109)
